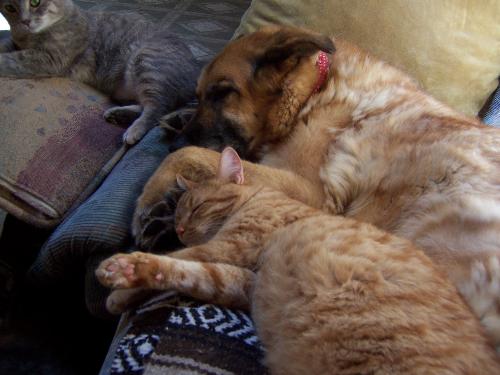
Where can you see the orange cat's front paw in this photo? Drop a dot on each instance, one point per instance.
(127, 270)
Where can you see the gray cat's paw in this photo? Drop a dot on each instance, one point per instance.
(134, 133)
(122, 115)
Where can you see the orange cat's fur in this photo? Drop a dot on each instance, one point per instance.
(329, 295)
(370, 145)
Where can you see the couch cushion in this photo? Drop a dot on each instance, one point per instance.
(491, 113)
(175, 335)
(451, 47)
(55, 144)
(100, 226)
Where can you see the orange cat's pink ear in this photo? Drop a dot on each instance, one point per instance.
(184, 183)
(230, 167)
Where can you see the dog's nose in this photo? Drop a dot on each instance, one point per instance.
(179, 142)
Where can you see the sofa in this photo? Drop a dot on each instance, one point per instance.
(69, 187)
(171, 333)
(62, 166)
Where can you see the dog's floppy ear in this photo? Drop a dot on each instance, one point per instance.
(290, 42)
(283, 73)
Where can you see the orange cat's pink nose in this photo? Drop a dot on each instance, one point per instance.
(180, 230)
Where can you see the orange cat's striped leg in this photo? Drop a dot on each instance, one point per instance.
(218, 283)
(221, 251)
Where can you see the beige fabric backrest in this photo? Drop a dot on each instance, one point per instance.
(452, 47)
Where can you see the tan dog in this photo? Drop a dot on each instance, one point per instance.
(352, 135)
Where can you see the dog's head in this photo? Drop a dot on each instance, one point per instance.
(250, 94)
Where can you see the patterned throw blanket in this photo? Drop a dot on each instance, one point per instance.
(174, 335)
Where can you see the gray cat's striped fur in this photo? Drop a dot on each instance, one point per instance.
(120, 54)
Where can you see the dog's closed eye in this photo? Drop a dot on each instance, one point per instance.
(220, 90)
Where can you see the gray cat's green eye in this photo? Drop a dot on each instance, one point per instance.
(34, 3)
(10, 8)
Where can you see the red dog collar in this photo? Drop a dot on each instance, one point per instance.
(323, 64)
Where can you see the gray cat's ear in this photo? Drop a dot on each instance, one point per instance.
(230, 167)
(184, 183)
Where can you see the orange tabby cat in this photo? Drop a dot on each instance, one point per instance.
(329, 295)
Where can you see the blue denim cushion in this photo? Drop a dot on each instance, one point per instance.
(492, 114)
(101, 225)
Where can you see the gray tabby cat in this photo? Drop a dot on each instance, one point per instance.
(120, 54)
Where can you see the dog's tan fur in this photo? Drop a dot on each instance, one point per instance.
(370, 145)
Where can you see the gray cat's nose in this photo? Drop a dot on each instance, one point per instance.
(26, 22)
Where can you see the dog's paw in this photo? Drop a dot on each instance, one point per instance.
(127, 270)
(174, 122)
(154, 225)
